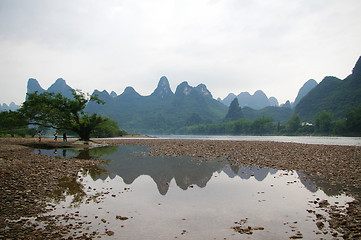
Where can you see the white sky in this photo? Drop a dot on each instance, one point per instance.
(230, 46)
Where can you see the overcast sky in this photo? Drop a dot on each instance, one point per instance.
(230, 46)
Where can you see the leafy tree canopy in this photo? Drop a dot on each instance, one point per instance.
(12, 122)
(353, 121)
(323, 122)
(58, 112)
(294, 123)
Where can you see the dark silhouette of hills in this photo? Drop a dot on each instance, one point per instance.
(59, 86)
(256, 101)
(332, 94)
(163, 111)
(12, 107)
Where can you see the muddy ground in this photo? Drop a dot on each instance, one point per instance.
(28, 180)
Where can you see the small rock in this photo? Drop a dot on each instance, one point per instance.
(121, 218)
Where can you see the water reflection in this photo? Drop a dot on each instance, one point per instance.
(247, 172)
(131, 162)
(277, 201)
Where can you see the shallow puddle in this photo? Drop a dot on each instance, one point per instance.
(136, 196)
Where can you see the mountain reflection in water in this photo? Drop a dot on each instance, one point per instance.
(193, 199)
(130, 162)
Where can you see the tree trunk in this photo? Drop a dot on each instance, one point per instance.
(84, 133)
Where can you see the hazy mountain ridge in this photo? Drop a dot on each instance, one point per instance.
(256, 101)
(11, 107)
(163, 111)
(59, 86)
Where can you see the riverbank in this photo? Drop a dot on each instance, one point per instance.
(27, 182)
(27, 179)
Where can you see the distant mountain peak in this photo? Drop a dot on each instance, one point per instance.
(304, 90)
(33, 86)
(227, 100)
(259, 93)
(183, 89)
(60, 81)
(201, 88)
(163, 89)
(60, 86)
(12, 106)
(273, 102)
(130, 91)
(356, 71)
(113, 94)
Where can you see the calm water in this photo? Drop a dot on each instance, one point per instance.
(348, 141)
(180, 198)
(351, 141)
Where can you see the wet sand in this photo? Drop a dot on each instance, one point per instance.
(27, 179)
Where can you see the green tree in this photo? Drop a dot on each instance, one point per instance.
(108, 128)
(194, 119)
(293, 124)
(339, 127)
(324, 122)
(58, 112)
(263, 125)
(353, 121)
(12, 122)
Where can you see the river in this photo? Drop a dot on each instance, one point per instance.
(348, 141)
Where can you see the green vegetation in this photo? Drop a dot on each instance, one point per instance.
(293, 124)
(12, 123)
(352, 124)
(55, 111)
(333, 95)
(108, 128)
(260, 126)
(324, 124)
(279, 114)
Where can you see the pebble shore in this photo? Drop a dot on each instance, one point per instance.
(27, 179)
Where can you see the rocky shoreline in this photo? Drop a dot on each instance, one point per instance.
(27, 179)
